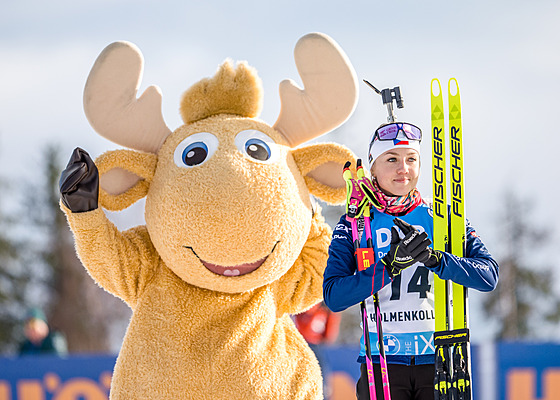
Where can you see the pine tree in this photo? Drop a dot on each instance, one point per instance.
(14, 278)
(524, 298)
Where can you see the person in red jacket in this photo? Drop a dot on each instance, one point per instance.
(319, 326)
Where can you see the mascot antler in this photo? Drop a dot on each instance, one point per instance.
(110, 102)
(327, 100)
(329, 95)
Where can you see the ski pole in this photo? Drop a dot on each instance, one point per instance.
(354, 197)
(382, 359)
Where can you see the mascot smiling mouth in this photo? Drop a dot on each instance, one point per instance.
(235, 270)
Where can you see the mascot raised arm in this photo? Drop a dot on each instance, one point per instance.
(232, 245)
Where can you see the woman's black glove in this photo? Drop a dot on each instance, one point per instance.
(413, 248)
(434, 258)
(79, 183)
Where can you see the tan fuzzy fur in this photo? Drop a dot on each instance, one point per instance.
(191, 321)
(231, 246)
(236, 199)
(198, 336)
(233, 90)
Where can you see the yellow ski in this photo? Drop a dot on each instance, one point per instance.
(451, 337)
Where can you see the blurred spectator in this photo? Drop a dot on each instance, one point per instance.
(39, 339)
(319, 326)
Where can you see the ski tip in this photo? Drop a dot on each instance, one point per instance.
(436, 88)
(347, 164)
(453, 87)
(359, 163)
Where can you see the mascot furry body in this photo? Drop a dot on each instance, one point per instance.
(232, 245)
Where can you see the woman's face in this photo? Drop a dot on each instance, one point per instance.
(397, 171)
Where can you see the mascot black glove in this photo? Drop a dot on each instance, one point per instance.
(79, 183)
(413, 248)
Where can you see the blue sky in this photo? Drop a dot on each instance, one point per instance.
(503, 53)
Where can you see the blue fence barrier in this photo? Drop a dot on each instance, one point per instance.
(54, 378)
(528, 371)
(504, 371)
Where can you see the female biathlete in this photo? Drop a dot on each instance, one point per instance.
(403, 273)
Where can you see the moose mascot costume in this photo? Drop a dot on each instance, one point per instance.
(232, 244)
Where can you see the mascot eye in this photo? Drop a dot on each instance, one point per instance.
(195, 154)
(195, 150)
(257, 149)
(257, 146)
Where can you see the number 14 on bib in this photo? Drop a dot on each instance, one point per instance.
(451, 337)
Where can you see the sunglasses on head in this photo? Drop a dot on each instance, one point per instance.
(391, 131)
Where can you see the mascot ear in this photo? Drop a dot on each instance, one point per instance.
(125, 177)
(321, 165)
